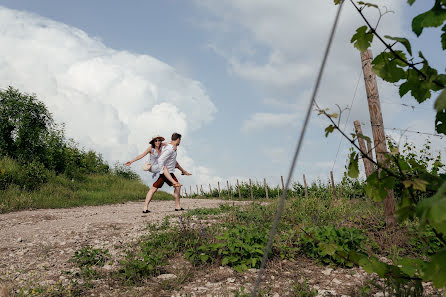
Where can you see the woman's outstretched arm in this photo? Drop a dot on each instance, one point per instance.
(147, 151)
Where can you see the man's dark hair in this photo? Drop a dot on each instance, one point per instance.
(175, 136)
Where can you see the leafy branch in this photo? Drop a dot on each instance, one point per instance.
(335, 126)
(388, 46)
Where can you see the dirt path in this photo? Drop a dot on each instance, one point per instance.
(37, 245)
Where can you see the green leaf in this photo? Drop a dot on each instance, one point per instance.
(353, 168)
(374, 187)
(204, 257)
(431, 18)
(366, 138)
(362, 39)
(367, 4)
(329, 130)
(373, 265)
(386, 66)
(434, 271)
(410, 2)
(440, 121)
(419, 86)
(433, 210)
(328, 248)
(440, 103)
(419, 184)
(336, 2)
(403, 41)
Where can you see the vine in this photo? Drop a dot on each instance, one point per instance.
(393, 66)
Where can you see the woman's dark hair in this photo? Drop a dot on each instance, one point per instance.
(175, 136)
(152, 142)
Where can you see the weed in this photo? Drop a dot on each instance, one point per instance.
(240, 247)
(89, 256)
(152, 252)
(88, 259)
(318, 242)
(302, 290)
(202, 213)
(241, 293)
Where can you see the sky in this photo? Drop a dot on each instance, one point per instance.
(233, 77)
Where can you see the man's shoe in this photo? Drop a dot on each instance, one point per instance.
(146, 211)
(176, 209)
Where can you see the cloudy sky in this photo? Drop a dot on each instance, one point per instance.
(234, 77)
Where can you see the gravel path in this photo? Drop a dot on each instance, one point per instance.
(36, 245)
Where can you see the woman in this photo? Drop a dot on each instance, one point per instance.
(155, 151)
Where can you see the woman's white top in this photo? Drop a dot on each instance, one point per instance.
(154, 161)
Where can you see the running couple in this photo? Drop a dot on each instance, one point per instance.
(163, 161)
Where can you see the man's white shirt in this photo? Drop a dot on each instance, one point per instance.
(168, 158)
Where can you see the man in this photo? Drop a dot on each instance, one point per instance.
(167, 163)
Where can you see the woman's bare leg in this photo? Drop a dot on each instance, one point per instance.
(149, 197)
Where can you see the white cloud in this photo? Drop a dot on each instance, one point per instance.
(290, 37)
(111, 101)
(275, 154)
(259, 121)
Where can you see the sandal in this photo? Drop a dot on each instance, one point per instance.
(146, 211)
(178, 209)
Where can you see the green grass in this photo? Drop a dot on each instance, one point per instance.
(203, 213)
(62, 192)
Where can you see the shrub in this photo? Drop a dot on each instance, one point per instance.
(152, 252)
(89, 256)
(28, 176)
(125, 172)
(240, 247)
(424, 241)
(34, 174)
(332, 245)
(88, 259)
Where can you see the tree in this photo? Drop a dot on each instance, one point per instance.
(25, 124)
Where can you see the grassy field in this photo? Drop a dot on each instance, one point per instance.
(61, 192)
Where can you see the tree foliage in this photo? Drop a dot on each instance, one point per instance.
(29, 135)
(25, 124)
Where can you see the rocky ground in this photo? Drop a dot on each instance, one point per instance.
(36, 247)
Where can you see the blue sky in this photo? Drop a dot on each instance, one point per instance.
(233, 76)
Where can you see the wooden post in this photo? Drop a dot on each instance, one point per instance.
(266, 188)
(227, 185)
(250, 187)
(379, 137)
(368, 165)
(239, 194)
(283, 186)
(370, 152)
(197, 190)
(190, 191)
(210, 190)
(333, 185)
(219, 192)
(201, 188)
(305, 185)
